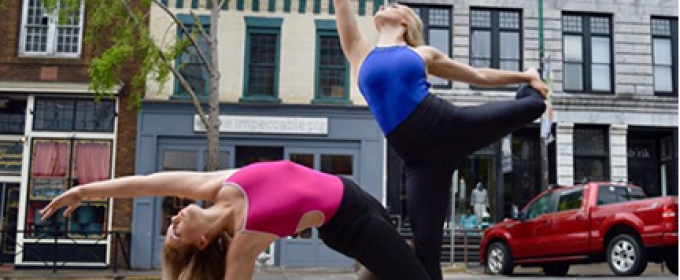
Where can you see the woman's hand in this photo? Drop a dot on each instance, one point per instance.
(536, 82)
(70, 198)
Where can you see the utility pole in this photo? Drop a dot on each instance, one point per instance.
(544, 75)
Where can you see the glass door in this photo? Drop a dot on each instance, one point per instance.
(9, 207)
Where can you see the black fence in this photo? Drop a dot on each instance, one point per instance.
(51, 249)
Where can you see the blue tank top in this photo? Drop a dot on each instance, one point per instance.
(393, 80)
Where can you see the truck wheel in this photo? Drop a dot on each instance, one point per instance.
(672, 263)
(499, 259)
(626, 255)
(556, 269)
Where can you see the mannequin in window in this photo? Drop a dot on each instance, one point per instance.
(479, 200)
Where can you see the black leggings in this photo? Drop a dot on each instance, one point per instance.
(361, 229)
(433, 140)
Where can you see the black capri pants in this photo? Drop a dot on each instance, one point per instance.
(361, 229)
(433, 140)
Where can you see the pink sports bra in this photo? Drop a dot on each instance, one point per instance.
(279, 193)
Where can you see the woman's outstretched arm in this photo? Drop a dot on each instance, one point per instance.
(442, 66)
(194, 185)
(351, 40)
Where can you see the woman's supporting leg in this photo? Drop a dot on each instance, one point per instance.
(457, 132)
(460, 132)
(427, 197)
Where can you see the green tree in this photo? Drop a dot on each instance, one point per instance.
(118, 32)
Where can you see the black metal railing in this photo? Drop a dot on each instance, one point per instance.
(463, 250)
(83, 241)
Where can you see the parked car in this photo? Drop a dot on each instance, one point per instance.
(586, 223)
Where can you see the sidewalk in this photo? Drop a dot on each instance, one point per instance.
(270, 273)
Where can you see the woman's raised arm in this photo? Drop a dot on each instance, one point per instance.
(352, 41)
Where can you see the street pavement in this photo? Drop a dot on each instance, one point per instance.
(594, 271)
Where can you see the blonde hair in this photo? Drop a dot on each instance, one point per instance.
(190, 263)
(414, 29)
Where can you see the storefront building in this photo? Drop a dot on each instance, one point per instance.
(54, 136)
(342, 141)
(286, 92)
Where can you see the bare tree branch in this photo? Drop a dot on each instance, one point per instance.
(221, 3)
(201, 30)
(187, 87)
(181, 25)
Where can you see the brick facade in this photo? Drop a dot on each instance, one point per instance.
(14, 68)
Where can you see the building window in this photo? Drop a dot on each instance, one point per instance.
(591, 154)
(263, 43)
(189, 63)
(13, 117)
(665, 47)
(50, 34)
(495, 39)
(86, 115)
(58, 165)
(587, 53)
(437, 33)
(332, 71)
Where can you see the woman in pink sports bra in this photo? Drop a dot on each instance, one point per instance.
(252, 207)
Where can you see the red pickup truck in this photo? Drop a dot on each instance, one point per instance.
(587, 223)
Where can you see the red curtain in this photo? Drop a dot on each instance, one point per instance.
(50, 159)
(93, 161)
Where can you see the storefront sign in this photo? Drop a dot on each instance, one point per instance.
(639, 152)
(274, 125)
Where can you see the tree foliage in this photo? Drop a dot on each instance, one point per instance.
(119, 36)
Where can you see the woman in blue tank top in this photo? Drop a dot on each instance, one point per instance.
(431, 135)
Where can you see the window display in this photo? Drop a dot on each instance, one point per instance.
(58, 165)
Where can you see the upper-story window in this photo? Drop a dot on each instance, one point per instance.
(495, 39)
(51, 33)
(263, 45)
(436, 32)
(587, 53)
(332, 69)
(665, 48)
(191, 66)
